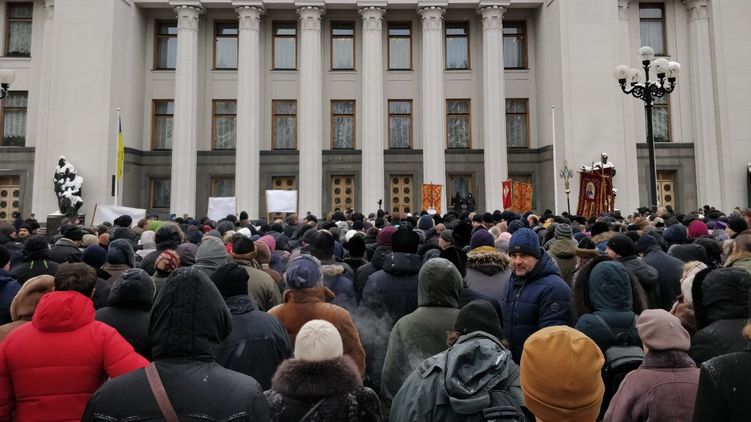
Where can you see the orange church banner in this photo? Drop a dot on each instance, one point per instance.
(521, 196)
(431, 197)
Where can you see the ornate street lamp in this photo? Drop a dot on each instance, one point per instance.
(6, 78)
(647, 91)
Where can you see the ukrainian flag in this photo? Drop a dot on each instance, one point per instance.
(120, 148)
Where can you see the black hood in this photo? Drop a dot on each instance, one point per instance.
(379, 256)
(402, 264)
(132, 289)
(189, 318)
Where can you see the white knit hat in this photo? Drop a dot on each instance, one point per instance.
(318, 340)
(350, 234)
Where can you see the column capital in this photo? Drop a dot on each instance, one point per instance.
(623, 6)
(310, 17)
(697, 9)
(49, 9)
(187, 16)
(432, 17)
(372, 18)
(249, 17)
(492, 16)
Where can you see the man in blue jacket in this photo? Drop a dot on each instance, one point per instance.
(536, 297)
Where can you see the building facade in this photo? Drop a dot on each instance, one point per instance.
(351, 102)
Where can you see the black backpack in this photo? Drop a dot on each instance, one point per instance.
(503, 407)
(620, 359)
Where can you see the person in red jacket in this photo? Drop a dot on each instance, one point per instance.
(50, 368)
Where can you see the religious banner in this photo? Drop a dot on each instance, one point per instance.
(506, 193)
(595, 194)
(431, 197)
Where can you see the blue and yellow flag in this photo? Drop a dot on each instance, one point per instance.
(120, 148)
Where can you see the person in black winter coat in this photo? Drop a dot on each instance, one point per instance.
(66, 247)
(128, 309)
(669, 269)
(8, 286)
(36, 260)
(258, 342)
(95, 256)
(721, 308)
(379, 256)
(621, 248)
(189, 321)
(168, 236)
(320, 383)
(724, 385)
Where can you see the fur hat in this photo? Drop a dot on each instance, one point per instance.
(318, 340)
(304, 272)
(481, 237)
(322, 244)
(72, 232)
(25, 302)
(661, 330)
(479, 315)
(525, 241)
(231, 280)
(561, 375)
(622, 245)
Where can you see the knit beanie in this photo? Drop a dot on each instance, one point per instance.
(318, 340)
(120, 251)
(479, 315)
(134, 288)
(4, 256)
(737, 224)
(599, 228)
(462, 234)
(384, 235)
(425, 222)
(481, 237)
(167, 261)
(661, 330)
(243, 248)
(563, 231)
(304, 272)
(675, 234)
(697, 228)
(514, 226)
(447, 235)
(94, 256)
(689, 252)
(646, 242)
(525, 241)
(231, 280)
(263, 254)
(561, 375)
(622, 245)
(405, 240)
(269, 241)
(322, 245)
(193, 235)
(187, 253)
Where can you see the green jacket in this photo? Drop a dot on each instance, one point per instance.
(422, 333)
(743, 261)
(456, 383)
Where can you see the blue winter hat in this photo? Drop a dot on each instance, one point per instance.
(525, 241)
(514, 226)
(425, 222)
(676, 234)
(481, 238)
(304, 272)
(94, 256)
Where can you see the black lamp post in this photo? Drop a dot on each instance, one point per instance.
(6, 78)
(647, 91)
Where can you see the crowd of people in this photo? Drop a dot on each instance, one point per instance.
(479, 316)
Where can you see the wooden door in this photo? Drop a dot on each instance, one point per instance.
(401, 188)
(10, 193)
(342, 192)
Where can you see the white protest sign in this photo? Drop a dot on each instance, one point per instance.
(281, 200)
(220, 207)
(109, 213)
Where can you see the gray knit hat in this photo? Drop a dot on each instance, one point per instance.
(563, 231)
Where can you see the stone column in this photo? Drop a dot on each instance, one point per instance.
(185, 129)
(310, 116)
(372, 108)
(433, 101)
(493, 105)
(708, 174)
(247, 150)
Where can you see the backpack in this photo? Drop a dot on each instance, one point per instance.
(503, 407)
(620, 359)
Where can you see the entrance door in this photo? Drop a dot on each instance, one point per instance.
(281, 183)
(342, 192)
(10, 192)
(401, 193)
(462, 184)
(666, 188)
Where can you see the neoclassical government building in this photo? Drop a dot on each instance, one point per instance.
(351, 102)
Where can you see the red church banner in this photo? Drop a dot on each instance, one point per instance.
(517, 196)
(595, 194)
(506, 192)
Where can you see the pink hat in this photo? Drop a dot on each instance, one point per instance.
(270, 242)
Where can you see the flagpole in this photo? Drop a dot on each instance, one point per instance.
(117, 155)
(555, 164)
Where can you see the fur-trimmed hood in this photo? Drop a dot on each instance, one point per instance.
(603, 236)
(333, 270)
(332, 377)
(487, 260)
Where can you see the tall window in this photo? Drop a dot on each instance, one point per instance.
(342, 46)
(652, 26)
(165, 48)
(400, 123)
(457, 123)
(285, 45)
(159, 192)
(400, 46)
(225, 45)
(514, 45)
(14, 119)
(285, 124)
(224, 123)
(517, 122)
(18, 29)
(343, 124)
(222, 186)
(457, 45)
(163, 112)
(661, 119)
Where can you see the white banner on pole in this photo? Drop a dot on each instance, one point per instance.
(220, 207)
(281, 200)
(111, 212)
